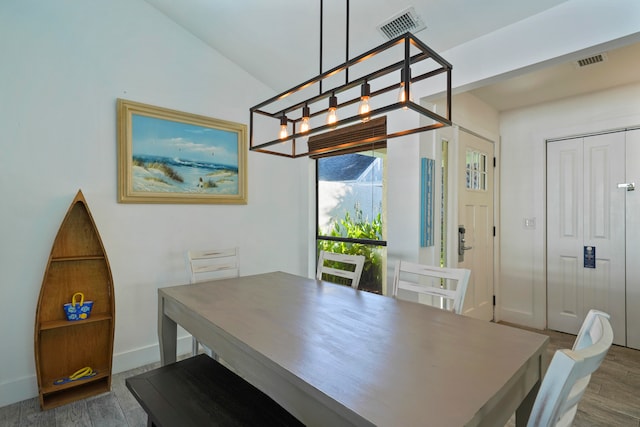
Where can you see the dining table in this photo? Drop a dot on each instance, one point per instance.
(335, 356)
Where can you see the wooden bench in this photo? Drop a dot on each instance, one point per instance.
(199, 391)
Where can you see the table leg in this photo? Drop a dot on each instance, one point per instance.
(167, 335)
(524, 410)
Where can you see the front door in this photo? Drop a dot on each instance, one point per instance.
(475, 217)
(586, 231)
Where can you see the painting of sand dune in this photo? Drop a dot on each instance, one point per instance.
(181, 160)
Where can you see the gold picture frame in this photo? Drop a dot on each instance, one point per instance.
(167, 156)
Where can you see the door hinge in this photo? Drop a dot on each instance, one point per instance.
(494, 300)
(494, 231)
(494, 162)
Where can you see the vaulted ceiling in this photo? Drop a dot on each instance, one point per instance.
(278, 41)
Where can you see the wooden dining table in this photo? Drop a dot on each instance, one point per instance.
(333, 356)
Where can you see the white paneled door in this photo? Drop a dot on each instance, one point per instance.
(633, 238)
(586, 231)
(475, 217)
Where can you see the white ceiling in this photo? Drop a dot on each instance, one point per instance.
(277, 41)
(564, 80)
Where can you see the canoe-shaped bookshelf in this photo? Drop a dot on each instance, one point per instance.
(78, 263)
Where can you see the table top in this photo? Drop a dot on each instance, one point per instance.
(385, 359)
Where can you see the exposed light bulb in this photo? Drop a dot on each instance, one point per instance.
(284, 133)
(364, 108)
(304, 124)
(332, 115)
(402, 95)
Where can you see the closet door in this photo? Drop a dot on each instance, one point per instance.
(633, 238)
(585, 231)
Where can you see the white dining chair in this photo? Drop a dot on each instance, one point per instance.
(212, 264)
(340, 265)
(569, 373)
(434, 282)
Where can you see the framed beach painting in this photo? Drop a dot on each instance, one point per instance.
(167, 156)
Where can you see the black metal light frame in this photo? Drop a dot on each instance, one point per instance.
(402, 67)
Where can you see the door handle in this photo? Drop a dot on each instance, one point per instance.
(630, 186)
(461, 241)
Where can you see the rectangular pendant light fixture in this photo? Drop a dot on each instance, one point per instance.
(380, 82)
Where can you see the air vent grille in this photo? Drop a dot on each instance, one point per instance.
(405, 21)
(595, 59)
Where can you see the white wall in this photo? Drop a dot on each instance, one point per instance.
(64, 64)
(524, 131)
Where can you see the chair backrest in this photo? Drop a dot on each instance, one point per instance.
(427, 280)
(570, 372)
(213, 264)
(590, 331)
(337, 264)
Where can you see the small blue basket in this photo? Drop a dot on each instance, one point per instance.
(78, 311)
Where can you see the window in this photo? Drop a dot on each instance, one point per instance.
(476, 170)
(444, 201)
(350, 206)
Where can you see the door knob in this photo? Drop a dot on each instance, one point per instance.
(630, 186)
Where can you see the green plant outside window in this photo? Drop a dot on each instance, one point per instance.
(358, 228)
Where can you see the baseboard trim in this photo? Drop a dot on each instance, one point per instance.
(24, 388)
(145, 355)
(519, 317)
(17, 390)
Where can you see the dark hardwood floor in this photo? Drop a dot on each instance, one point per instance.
(612, 398)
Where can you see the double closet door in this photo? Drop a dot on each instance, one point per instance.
(593, 232)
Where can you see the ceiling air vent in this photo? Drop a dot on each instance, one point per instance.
(595, 59)
(405, 21)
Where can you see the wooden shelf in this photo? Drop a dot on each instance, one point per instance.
(77, 263)
(49, 387)
(54, 324)
(77, 258)
(79, 390)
